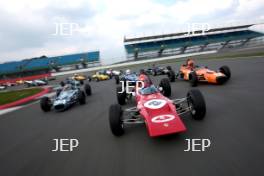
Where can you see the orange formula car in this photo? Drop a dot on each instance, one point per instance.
(195, 74)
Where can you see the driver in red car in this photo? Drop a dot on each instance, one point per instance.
(145, 85)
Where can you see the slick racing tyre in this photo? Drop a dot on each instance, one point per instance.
(193, 79)
(45, 104)
(81, 98)
(196, 101)
(62, 84)
(181, 75)
(121, 97)
(171, 75)
(89, 78)
(166, 88)
(226, 71)
(124, 81)
(88, 89)
(117, 79)
(115, 120)
(169, 68)
(154, 73)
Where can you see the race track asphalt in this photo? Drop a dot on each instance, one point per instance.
(234, 123)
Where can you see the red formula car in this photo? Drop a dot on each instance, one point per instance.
(161, 115)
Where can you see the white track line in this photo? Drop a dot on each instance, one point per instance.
(8, 110)
(4, 111)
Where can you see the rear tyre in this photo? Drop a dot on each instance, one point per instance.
(226, 71)
(88, 89)
(62, 84)
(197, 103)
(117, 79)
(121, 97)
(123, 79)
(89, 78)
(154, 73)
(193, 79)
(81, 98)
(45, 104)
(166, 88)
(171, 75)
(115, 120)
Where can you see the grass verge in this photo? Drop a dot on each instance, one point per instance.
(12, 96)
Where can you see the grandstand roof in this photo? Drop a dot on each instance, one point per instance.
(185, 34)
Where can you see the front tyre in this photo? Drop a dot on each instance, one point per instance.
(45, 104)
(166, 88)
(197, 104)
(121, 96)
(154, 72)
(193, 78)
(88, 89)
(117, 79)
(171, 75)
(82, 98)
(226, 71)
(115, 120)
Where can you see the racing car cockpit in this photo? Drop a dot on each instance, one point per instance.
(147, 87)
(190, 64)
(148, 90)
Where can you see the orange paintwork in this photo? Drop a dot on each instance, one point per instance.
(204, 74)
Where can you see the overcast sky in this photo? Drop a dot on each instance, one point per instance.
(28, 27)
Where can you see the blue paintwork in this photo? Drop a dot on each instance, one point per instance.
(131, 77)
(43, 63)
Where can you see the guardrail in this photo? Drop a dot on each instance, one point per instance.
(132, 63)
(25, 78)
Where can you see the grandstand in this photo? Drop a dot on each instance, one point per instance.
(45, 64)
(180, 43)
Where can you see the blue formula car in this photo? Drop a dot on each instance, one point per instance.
(66, 96)
(128, 76)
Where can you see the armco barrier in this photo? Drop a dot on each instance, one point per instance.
(26, 78)
(132, 63)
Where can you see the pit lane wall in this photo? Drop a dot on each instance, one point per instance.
(132, 63)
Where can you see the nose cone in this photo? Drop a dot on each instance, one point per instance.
(59, 107)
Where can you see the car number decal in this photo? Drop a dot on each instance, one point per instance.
(163, 118)
(155, 103)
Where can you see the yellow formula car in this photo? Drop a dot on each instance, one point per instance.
(100, 77)
(79, 77)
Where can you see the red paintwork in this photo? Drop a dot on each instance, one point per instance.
(157, 129)
(26, 78)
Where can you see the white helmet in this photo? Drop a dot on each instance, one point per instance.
(128, 72)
